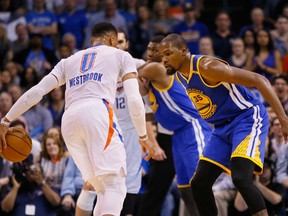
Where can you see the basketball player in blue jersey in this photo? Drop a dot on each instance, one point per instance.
(174, 110)
(241, 123)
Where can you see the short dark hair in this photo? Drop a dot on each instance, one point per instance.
(17, 122)
(157, 39)
(102, 28)
(176, 40)
(283, 77)
(123, 32)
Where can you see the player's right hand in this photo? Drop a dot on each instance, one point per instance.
(159, 154)
(3, 131)
(148, 148)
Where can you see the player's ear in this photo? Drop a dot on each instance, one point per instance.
(184, 51)
(113, 40)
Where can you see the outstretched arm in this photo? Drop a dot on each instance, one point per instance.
(214, 71)
(25, 102)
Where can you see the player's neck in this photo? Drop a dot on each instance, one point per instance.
(185, 67)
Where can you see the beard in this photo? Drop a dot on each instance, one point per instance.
(171, 70)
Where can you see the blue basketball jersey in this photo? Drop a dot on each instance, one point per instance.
(218, 103)
(172, 107)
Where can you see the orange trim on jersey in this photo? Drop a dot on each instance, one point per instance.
(111, 129)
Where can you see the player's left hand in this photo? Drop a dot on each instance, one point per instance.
(3, 131)
(147, 147)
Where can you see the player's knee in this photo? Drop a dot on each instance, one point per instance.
(241, 181)
(114, 195)
(86, 199)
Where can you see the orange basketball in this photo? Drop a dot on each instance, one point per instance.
(19, 145)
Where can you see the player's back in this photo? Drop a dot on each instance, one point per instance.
(93, 73)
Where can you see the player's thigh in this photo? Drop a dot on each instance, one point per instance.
(104, 141)
(186, 152)
(76, 146)
(218, 152)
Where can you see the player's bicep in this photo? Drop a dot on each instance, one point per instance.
(214, 71)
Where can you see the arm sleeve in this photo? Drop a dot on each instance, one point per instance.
(135, 105)
(32, 96)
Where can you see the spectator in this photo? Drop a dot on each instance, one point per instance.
(43, 22)
(239, 56)
(206, 46)
(29, 78)
(70, 40)
(141, 32)
(73, 21)
(249, 39)
(162, 23)
(53, 161)
(272, 192)
(280, 35)
(15, 91)
(28, 184)
(5, 173)
(5, 103)
(109, 14)
(22, 41)
(71, 187)
(257, 18)
(56, 105)
(63, 51)
(129, 12)
(277, 140)
(223, 35)
(190, 29)
(267, 60)
(92, 7)
(6, 52)
(14, 71)
(36, 56)
(39, 119)
(6, 79)
(280, 85)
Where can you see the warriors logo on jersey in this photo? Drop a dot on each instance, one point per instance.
(202, 102)
(153, 101)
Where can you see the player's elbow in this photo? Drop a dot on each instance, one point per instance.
(260, 81)
(135, 106)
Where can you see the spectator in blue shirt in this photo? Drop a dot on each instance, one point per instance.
(190, 29)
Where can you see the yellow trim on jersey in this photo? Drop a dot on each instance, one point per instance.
(183, 186)
(191, 69)
(166, 88)
(228, 171)
(198, 72)
(260, 165)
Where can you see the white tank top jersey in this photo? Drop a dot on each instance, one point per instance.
(93, 73)
(120, 105)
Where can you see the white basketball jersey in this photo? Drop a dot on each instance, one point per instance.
(120, 105)
(93, 73)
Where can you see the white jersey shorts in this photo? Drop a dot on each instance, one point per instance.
(93, 138)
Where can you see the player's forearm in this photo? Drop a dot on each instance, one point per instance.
(135, 106)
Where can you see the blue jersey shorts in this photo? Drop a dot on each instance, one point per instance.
(245, 136)
(187, 146)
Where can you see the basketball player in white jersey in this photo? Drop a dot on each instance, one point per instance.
(89, 126)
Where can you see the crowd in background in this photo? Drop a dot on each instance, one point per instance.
(36, 34)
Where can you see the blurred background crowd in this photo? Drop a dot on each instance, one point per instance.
(36, 34)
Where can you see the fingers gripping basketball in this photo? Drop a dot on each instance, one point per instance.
(19, 145)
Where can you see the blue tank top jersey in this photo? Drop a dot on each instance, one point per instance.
(218, 103)
(171, 106)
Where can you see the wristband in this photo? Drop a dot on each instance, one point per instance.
(3, 122)
(143, 138)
